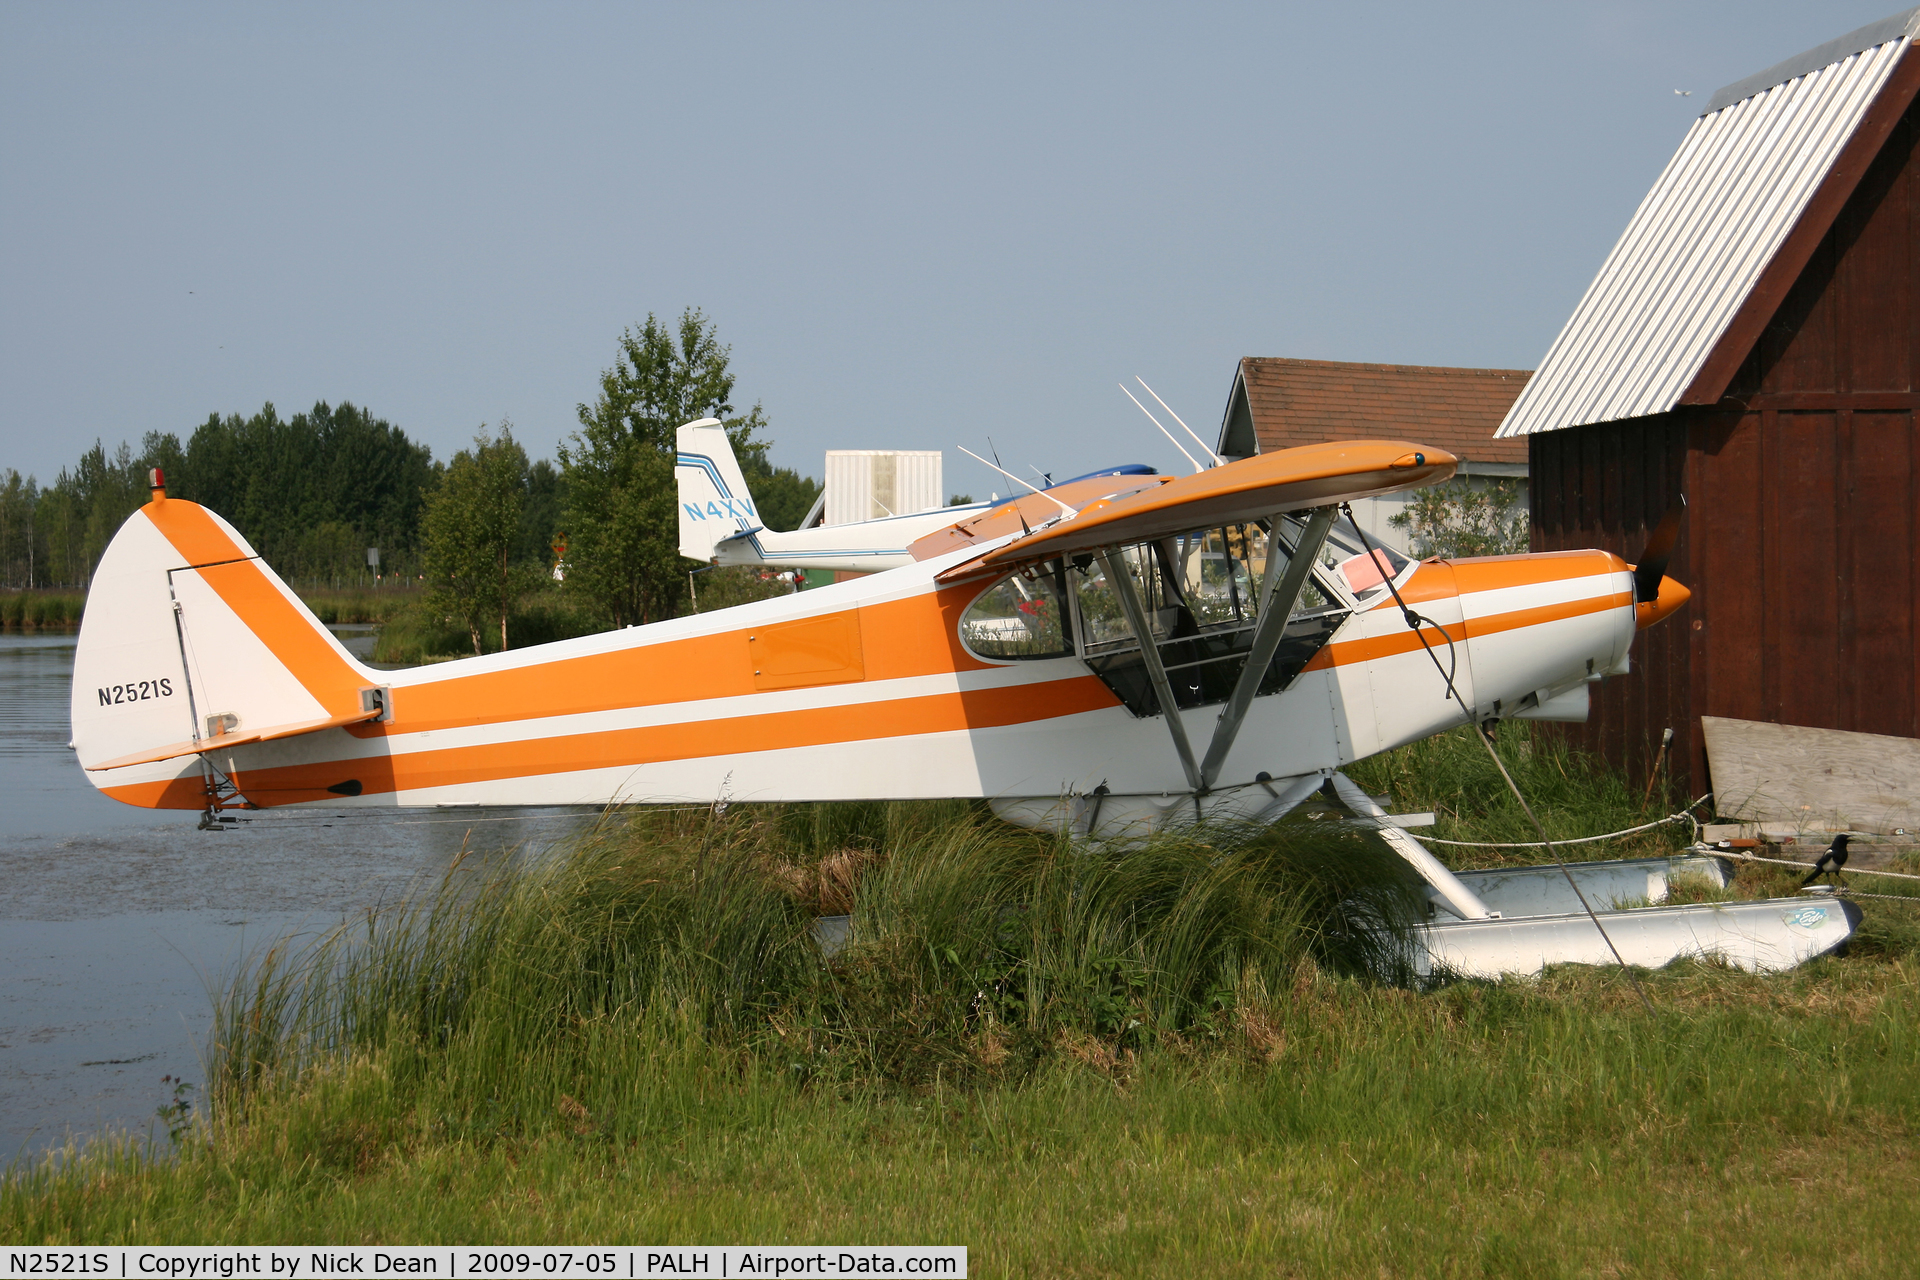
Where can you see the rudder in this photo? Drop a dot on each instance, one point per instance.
(714, 502)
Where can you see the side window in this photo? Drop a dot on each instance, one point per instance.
(1364, 575)
(1019, 616)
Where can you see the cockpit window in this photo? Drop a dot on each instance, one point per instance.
(1189, 583)
(1020, 616)
(1201, 592)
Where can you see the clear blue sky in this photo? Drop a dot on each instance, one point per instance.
(917, 226)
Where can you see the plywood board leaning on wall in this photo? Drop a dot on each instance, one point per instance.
(1816, 779)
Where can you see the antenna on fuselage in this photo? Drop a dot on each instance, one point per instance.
(1217, 459)
(1163, 431)
(1071, 512)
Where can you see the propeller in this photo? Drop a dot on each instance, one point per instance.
(1653, 560)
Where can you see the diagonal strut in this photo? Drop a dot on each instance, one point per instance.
(1279, 593)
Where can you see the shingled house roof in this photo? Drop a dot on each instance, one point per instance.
(1279, 403)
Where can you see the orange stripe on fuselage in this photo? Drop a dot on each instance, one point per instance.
(175, 793)
(1395, 643)
(1470, 576)
(688, 740)
(1492, 573)
(917, 636)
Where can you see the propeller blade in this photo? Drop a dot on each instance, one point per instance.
(1653, 560)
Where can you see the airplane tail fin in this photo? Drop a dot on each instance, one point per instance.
(714, 502)
(190, 644)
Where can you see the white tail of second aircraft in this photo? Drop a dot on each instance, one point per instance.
(719, 521)
(714, 502)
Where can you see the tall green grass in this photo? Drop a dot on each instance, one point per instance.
(1574, 794)
(51, 610)
(1336, 1128)
(1192, 1054)
(975, 951)
(334, 605)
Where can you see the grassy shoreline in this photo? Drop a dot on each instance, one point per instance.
(1480, 1131)
(41, 610)
(1075, 1061)
(60, 609)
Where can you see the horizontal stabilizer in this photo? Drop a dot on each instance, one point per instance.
(224, 740)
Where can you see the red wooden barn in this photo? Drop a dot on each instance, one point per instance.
(1752, 342)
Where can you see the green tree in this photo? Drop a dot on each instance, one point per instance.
(619, 509)
(311, 494)
(59, 533)
(540, 520)
(112, 488)
(470, 526)
(1459, 519)
(278, 480)
(18, 497)
(782, 495)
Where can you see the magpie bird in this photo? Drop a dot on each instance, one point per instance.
(1830, 862)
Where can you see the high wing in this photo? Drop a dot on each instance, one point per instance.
(1030, 511)
(1315, 475)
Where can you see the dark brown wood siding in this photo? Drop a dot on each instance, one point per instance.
(1802, 542)
(1806, 591)
(1606, 486)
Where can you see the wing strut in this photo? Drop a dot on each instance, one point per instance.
(1136, 613)
(1276, 606)
(1279, 593)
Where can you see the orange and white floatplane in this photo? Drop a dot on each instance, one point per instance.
(1108, 656)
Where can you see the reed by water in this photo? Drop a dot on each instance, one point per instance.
(60, 609)
(41, 610)
(975, 949)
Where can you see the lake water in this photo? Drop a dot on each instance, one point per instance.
(116, 923)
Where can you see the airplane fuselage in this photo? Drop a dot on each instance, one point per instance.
(864, 690)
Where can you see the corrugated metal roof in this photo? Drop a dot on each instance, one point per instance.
(1813, 59)
(1701, 238)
